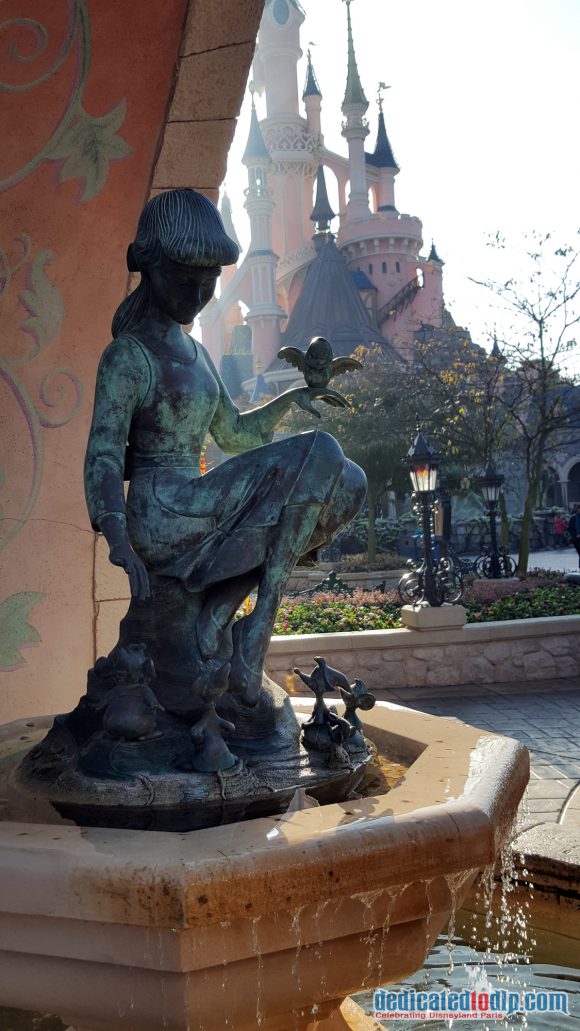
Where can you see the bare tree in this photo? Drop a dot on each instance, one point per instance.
(539, 392)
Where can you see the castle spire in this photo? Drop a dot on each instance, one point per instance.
(322, 213)
(311, 87)
(433, 256)
(355, 130)
(354, 93)
(255, 147)
(226, 213)
(382, 156)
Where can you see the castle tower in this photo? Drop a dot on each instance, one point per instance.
(264, 313)
(292, 140)
(355, 130)
(277, 56)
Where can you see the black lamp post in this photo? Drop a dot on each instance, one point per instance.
(424, 583)
(490, 486)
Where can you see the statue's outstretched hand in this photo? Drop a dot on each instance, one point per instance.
(122, 554)
(304, 396)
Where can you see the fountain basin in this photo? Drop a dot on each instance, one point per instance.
(267, 923)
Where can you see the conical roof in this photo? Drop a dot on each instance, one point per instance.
(382, 156)
(322, 211)
(495, 351)
(226, 213)
(354, 93)
(330, 305)
(311, 87)
(255, 147)
(433, 256)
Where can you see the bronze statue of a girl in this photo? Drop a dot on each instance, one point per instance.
(194, 547)
(179, 727)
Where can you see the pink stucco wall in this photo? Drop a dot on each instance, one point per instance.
(84, 88)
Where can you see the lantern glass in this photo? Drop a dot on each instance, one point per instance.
(490, 485)
(490, 492)
(423, 477)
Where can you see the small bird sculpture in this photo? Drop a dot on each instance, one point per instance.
(317, 363)
(322, 679)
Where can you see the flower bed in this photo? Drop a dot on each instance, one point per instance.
(535, 596)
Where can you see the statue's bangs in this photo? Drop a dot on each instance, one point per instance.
(189, 229)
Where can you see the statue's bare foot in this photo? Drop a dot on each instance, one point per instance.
(245, 682)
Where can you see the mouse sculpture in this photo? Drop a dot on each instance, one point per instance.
(131, 707)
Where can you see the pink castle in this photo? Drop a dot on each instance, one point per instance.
(360, 276)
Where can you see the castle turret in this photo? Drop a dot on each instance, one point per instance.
(355, 130)
(384, 159)
(312, 97)
(264, 314)
(430, 300)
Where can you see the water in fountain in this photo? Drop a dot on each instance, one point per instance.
(499, 955)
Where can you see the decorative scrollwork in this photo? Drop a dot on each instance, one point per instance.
(84, 144)
(60, 391)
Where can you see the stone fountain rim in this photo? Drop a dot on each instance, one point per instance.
(164, 879)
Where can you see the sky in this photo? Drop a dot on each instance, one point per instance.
(482, 115)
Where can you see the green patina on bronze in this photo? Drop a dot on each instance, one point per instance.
(195, 546)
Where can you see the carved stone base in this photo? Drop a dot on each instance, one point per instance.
(97, 780)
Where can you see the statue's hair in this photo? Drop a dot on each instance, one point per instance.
(186, 227)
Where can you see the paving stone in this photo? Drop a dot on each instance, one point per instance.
(552, 789)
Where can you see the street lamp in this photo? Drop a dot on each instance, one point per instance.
(490, 484)
(428, 580)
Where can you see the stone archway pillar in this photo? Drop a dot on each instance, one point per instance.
(564, 492)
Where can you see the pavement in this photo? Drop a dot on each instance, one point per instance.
(561, 559)
(545, 717)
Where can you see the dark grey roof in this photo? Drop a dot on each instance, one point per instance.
(362, 281)
(311, 87)
(255, 147)
(382, 156)
(322, 211)
(330, 305)
(433, 256)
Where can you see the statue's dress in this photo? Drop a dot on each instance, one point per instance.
(151, 416)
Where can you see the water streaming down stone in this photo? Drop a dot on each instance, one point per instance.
(454, 882)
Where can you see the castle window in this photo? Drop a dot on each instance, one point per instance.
(398, 266)
(384, 266)
(370, 270)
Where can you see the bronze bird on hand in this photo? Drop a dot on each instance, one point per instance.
(317, 363)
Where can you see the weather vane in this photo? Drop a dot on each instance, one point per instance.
(382, 86)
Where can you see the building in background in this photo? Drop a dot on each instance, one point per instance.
(357, 275)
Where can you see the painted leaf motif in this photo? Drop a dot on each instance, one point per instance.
(43, 302)
(88, 147)
(15, 630)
